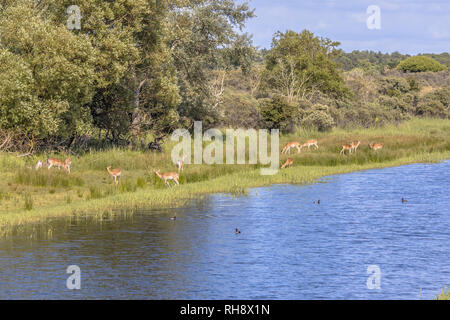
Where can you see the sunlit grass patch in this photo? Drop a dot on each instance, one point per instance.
(47, 178)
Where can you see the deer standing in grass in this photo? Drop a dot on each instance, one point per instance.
(375, 146)
(180, 164)
(166, 176)
(355, 145)
(52, 162)
(310, 143)
(348, 147)
(288, 163)
(289, 145)
(115, 173)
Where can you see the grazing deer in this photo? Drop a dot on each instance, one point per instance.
(355, 145)
(348, 147)
(375, 146)
(180, 164)
(52, 162)
(167, 176)
(310, 143)
(289, 145)
(288, 163)
(115, 173)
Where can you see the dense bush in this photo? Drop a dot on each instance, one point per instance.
(393, 86)
(277, 113)
(420, 64)
(318, 118)
(240, 111)
(435, 104)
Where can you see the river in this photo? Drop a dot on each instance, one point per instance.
(289, 247)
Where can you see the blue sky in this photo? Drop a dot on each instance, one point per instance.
(407, 26)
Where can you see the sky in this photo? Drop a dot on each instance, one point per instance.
(406, 26)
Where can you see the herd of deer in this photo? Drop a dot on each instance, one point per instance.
(352, 147)
(174, 176)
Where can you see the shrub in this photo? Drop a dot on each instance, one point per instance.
(279, 114)
(435, 104)
(394, 87)
(396, 104)
(420, 64)
(319, 120)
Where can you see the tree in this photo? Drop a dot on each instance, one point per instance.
(420, 64)
(300, 65)
(203, 37)
(47, 72)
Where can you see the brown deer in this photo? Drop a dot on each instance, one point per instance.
(288, 163)
(289, 145)
(355, 145)
(53, 162)
(115, 173)
(168, 176)
(348, 147)
(310, 143)
(375, 146)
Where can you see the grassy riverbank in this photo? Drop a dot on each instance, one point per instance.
(31, 196)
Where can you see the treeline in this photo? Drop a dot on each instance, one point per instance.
(133, 66)
(380, 61)
(142, 67)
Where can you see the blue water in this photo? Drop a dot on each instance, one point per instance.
(289, 247)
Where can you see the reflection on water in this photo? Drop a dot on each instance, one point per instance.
(289, 248)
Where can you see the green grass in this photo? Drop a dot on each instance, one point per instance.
(28, 196)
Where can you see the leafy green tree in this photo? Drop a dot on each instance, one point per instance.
(300, 65)
(49, 69)
(202, 37)
(420, 64)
